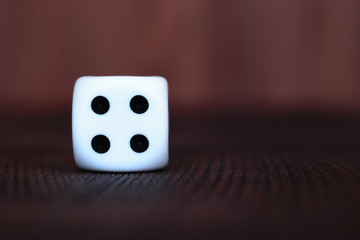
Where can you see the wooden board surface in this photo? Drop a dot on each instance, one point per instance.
(285, 176)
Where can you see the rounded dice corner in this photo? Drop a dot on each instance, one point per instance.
(162, 81)
(80, 80)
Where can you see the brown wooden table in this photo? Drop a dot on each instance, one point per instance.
(256, 176)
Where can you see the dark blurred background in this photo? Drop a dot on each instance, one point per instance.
(229, 55)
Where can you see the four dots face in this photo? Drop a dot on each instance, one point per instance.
(120, 123)
(138, 143)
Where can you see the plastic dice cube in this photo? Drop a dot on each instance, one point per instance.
(120, 123)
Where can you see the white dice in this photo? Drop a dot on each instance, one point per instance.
(120, 123)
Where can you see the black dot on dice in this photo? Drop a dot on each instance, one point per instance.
(100, 144)
(139, 104)
(139, 143)
(100, 105)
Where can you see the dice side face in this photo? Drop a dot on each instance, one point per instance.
(120, 123)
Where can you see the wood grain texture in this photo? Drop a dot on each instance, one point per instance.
(256, 177)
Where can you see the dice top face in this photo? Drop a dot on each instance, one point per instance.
(120, 123)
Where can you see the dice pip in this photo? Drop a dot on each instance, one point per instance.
(120, 123)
